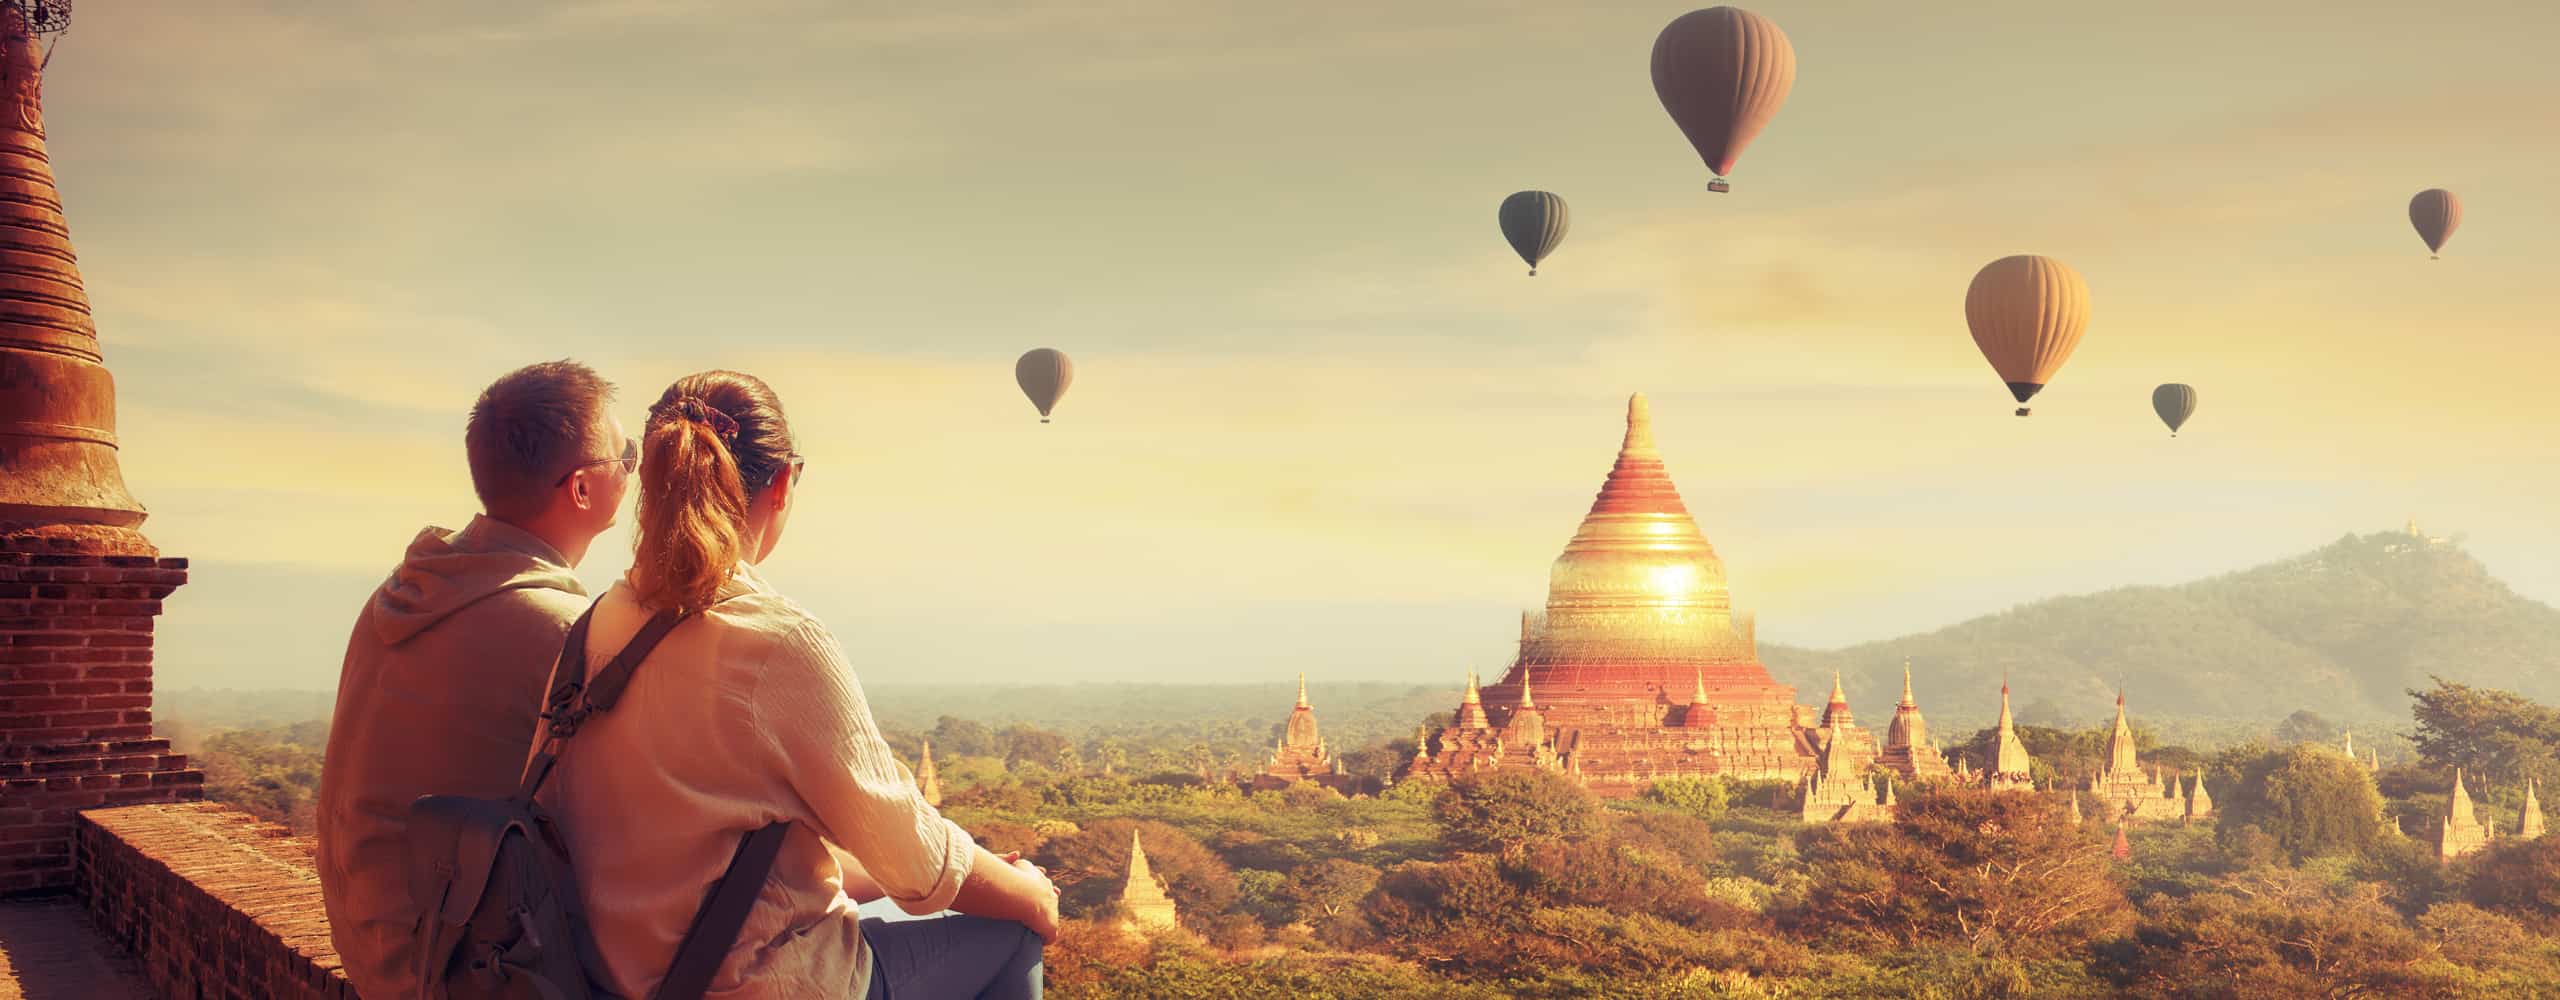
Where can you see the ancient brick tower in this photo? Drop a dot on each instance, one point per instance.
(79, 584)
(1640, 668)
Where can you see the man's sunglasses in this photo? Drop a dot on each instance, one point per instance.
(630, 461)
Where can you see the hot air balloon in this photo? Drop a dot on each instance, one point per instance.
(1534, 223)
(2027, 313)
(1043, 374)
(2436, 213)
(1722, 72)
(2174, 402)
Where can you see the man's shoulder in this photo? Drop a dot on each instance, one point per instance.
(531, 609)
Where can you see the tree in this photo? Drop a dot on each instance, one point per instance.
(2305, 726)
(1704, 798)
(2312, 800)
(1994, 872)
(1024, 744)
(963, 737)
(1510, 811)
(2487, 732)
(2219, 945)
(2521, 878)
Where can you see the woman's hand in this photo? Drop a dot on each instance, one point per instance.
(1006, 887)
(1046, 924)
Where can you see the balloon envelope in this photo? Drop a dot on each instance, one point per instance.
(2436, 213)
(1043, 374)
(2174, 402)
(2027, 313)
(1722, 72)
(1534, 223)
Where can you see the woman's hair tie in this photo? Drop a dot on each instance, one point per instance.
(693, 408)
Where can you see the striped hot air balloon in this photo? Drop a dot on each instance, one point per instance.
(2027, 313)
(1722, 72)
(2436, 213)
(1534, 222)
(2174, 402)
(1043, 374)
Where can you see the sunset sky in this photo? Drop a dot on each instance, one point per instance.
(1321, 420)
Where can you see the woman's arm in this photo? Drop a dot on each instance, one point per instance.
(829, 755)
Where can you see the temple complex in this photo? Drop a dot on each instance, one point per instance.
(1638, 669)
(1301, 754)
(2463, 833)
(1143, 900)
(1841, 792)
(2124, 789)
(929, 780)
(1907, 749)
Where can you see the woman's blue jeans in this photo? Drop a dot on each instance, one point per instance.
(952, 958)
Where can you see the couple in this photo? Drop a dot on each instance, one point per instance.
(745, 715)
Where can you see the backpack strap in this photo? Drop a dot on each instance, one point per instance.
(715, 927)
(575, 697)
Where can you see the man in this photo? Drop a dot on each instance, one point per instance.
(445, 672)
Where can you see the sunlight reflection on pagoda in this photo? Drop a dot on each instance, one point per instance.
(1638, 669)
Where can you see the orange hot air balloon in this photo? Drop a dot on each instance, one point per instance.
(2436, 213)
(1043, 374)
(2027, 313)
(1722, 72)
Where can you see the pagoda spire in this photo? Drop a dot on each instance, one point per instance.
(1907, 700)
(1698, 692)
(1302, 689)
(2011, 767)
(2532, 814)
(2122, 758)
(929, 780)
(2458, 811)
(58, 469)
(1527, 702)
(2074, 795)
(1837, 708)
(1471, 708)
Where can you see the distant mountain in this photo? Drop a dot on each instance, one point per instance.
(2344, 631)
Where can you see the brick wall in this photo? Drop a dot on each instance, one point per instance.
(75, 698)
(212, 903)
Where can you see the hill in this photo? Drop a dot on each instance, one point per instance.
(2344, 631)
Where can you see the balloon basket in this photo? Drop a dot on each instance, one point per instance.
(2023, 411)
(1719, 185)
(1533, 272)
(1044, 420)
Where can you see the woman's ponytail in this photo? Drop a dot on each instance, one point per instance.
(713, 440)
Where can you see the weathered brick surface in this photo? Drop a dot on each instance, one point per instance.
(75, 700)
(210, 902)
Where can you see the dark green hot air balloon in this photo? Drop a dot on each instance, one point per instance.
(2175, 402)
(1534, 223)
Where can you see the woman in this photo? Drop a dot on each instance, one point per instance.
(747, 714)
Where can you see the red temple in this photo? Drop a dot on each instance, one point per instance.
(1638, 669)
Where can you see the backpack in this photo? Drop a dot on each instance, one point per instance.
(500, 917)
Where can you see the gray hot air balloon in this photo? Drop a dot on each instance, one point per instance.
(2175, 402)
(1534, 223)
(1043, 374)
(2436, 213)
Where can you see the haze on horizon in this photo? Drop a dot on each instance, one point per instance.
(1320, 421)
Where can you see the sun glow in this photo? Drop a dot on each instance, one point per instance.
(1672, 581)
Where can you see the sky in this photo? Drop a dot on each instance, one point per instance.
(1321, 419)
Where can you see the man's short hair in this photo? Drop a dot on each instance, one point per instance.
(527, 428)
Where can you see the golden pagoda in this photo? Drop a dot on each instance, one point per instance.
(928, 780)
(1641, 669)
(1143, 899)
